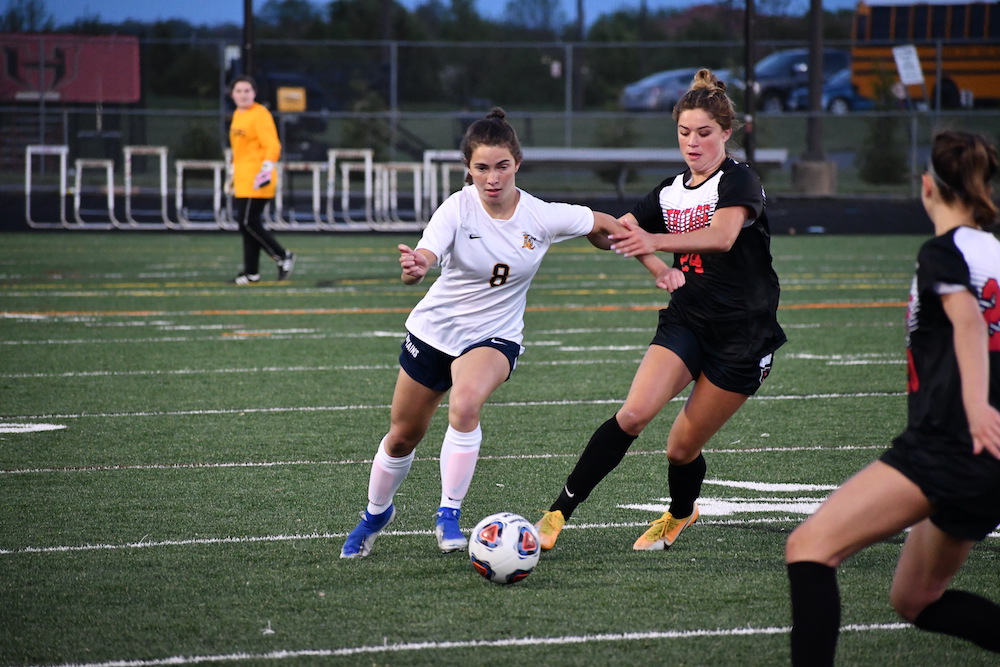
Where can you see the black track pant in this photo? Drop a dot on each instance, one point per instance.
(255, 236)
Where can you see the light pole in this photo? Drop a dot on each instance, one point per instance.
(750, 83)
(247, 50)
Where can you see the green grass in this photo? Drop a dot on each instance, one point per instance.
(216, 445)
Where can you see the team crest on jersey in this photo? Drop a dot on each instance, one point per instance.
(529, 241)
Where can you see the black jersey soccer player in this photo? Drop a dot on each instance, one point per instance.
(720, 329)
(941, 477)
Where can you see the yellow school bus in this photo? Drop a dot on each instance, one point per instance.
(958, 43)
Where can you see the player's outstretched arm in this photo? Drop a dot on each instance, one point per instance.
(415, 263)
(604, 225)
(718, 236)
(971, 346)
(606, 228)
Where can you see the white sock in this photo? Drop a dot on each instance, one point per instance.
(459, 454)
(387, 474)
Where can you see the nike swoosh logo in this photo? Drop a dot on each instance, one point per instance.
(498, 342)
(568, 494)
(475, 236)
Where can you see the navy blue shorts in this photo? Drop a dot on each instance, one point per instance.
(962, 487)
(741, 378)
(432, 368)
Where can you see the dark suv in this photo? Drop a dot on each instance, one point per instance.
(782, 71)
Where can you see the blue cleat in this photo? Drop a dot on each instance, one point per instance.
(449, 537)
(359, 542)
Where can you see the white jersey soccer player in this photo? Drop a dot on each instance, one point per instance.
(466, 333)
(487, 266)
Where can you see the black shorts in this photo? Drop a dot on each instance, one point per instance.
(743, 377)
(432, 368)
(962, 487)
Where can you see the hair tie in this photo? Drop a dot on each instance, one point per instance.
(933, 172)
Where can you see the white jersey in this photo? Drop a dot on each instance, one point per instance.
(487, 266)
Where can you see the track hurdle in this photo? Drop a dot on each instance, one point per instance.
(316, 169)
(108, 166)
(367, 156)
(161, 153)
(387, 195)
(216, 167)
(39, 149)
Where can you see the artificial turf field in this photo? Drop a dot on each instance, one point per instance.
(210, 447)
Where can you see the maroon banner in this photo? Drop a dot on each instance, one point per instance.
(69, 68)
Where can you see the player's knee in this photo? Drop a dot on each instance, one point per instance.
(909, 601)
(401, 440)
(632, 422)
(905, 607)
(807, 544)
(463, 415)
(794, 546)
(681, 456)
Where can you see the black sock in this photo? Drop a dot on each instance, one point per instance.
(815, 613)
(603, 453)
(965, 615)
(685, 485)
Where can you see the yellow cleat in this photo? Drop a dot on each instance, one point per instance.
(549, 528)
(664, 531)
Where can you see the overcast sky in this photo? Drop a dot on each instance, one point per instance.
(199, 12)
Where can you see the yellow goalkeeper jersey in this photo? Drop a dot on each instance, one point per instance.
(254, 139)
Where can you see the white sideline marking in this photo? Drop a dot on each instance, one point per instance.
(476, 643)
(765, 486)
(277, 369)
(830, 361)
(29, 428)
(251, 539)
(507, 404)
(418, 459)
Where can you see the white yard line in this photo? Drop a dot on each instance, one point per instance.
(511, 642)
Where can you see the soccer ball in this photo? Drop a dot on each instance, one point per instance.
(504, 548)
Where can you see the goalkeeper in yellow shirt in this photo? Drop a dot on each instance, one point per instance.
(256, 148)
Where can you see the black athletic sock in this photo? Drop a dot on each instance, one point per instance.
(964, 615)
(603, 453)
(685, 485)
(815, 613)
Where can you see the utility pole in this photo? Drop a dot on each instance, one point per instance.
(813, 174)
(814, 124)
(749, 98)
(247, 51)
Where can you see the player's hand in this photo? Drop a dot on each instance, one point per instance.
(984, 424)
(671, 279)
(632, 241)
(228, 188)
(413, 263)
(264, 176)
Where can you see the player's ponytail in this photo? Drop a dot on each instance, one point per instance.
(493, 130)
(963, 166)
(708, 93)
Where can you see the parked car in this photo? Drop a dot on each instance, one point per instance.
(839, 96)
(659, 91)
(783, 71)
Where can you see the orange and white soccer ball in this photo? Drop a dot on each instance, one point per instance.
(504, 548)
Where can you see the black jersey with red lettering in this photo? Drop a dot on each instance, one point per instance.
(961, 259)
(736, 290)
